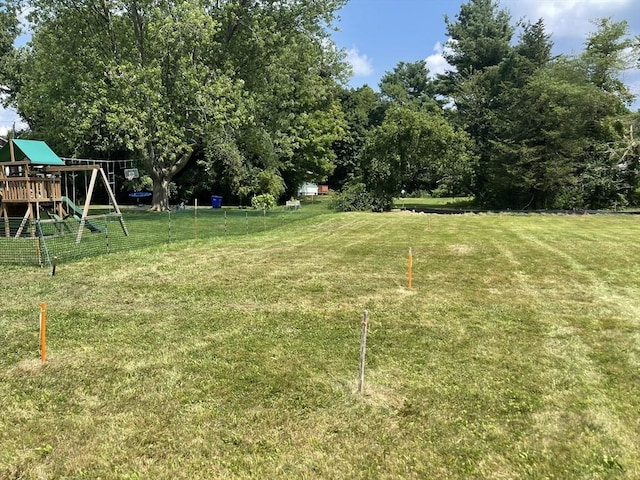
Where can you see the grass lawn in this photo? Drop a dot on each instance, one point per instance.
(515, 355)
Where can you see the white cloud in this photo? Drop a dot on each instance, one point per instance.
(569, 18)
(362, 65)
(8, 118)
(436, 63)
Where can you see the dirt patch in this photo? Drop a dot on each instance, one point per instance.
(459, 249)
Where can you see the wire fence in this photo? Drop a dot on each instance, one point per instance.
(41, 242)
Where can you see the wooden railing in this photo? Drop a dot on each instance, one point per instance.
(20, 189)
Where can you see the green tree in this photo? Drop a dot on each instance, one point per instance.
(480, 41)
(481, 36)
(9, 27)
(239, 83)
(543, 128)
(9, 30)
(490, 103)
(626, 156)
(289, 66)
(408, 83)
(556, 150)
(538, 153)
(605, 57)
(534, 47)
(363, 110)
(556, 147)
(413, 147)
(133, 75)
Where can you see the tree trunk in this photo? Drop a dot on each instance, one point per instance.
(160, 198)
(162, 176)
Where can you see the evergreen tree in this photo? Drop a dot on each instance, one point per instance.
(408, 83)
(480, 37)
(605, 57)
(508, 85)
(480, 41)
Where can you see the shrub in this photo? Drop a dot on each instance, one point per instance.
(264, 201)
(355, 197)
(634, 197)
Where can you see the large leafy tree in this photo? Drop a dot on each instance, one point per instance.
(9, 27)
(9, 30)
(413, 147)
(138, 76)
(289, 68)
(170, 80)
(363, 111)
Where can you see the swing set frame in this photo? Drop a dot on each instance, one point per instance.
(31, 182)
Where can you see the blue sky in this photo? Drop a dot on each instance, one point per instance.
(377, 34)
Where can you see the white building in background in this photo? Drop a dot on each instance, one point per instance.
(308, 189)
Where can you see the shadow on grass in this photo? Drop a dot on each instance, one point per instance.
(451, 203)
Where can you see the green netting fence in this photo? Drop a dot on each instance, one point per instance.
(38, 242)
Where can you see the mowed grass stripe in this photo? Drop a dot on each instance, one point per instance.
(515, 355)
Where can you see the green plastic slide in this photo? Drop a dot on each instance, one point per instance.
(78, 216)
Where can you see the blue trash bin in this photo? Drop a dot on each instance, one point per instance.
(216, 201)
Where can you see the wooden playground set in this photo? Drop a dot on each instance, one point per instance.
(31, 189)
